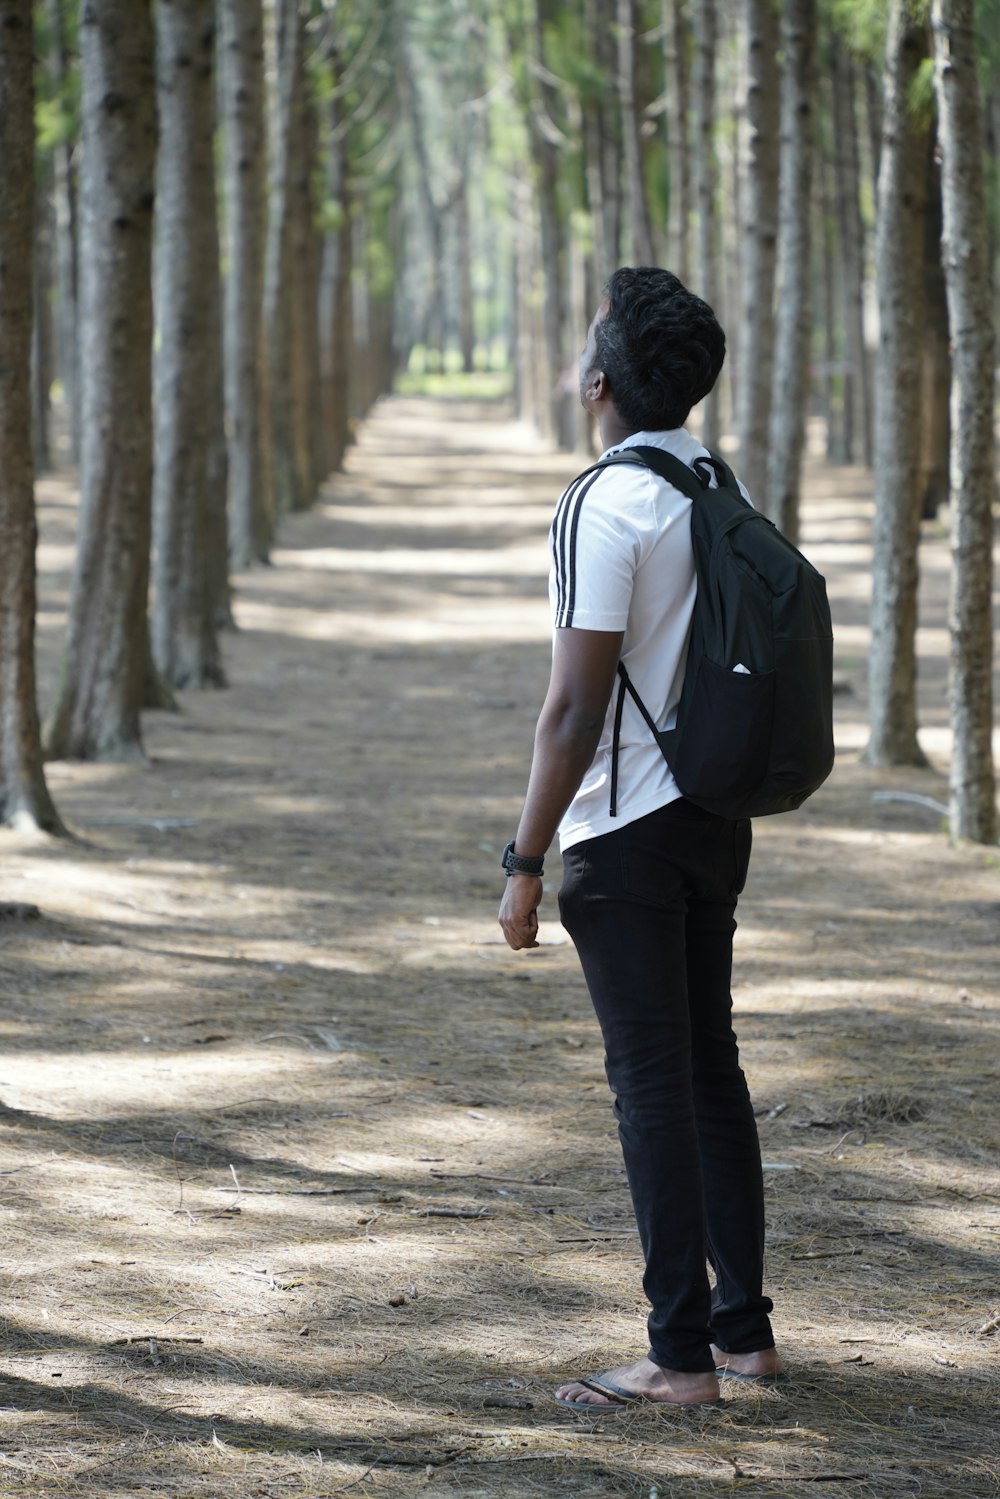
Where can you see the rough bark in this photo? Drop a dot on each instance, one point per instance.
(580, 314)
(760, 236)
(706, 177)
(434, 333)
(530, 365)
(836, 409)
(640, 237)
(972, 802)
(241, 59)
(548, 167)
(857, 401)
(190, 470)
(591, 135)
(935, 421)
(794, 302)
(677, 62)
(278, 254)
(96, 716)
(591, 131)
(731, 233)
(303, 306)
(610, 148)
(65, 205)
(24, 797)
(902, 187)
(874, 107)
(42, 333)
(335, 280)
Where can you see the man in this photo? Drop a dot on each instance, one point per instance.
(650, 881)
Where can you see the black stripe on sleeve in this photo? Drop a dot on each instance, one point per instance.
(559, 522)
(569, 556)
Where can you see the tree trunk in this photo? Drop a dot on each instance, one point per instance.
(873, 112)
(548, 168)
(837, 413)
(530, 364)
(278, 255)
(96, 716)
(580, 317)
(24, 797)
(902, 187)
(640, 238)
(463, 229)
(190, 471)
(705, 188)
(935, 421)
(335, 272)
(41, 340)
(64, 190)
(731, 233)
(241, 59)
(760, 235)
(303, 310)
(972, 803)
(434, 338)
(857, 401)
(610, 148)
(791, 347)
(677, 62)
(591, 136)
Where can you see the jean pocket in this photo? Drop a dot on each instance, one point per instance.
(649, 879)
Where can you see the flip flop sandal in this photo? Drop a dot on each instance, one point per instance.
(617, 1403)
(621, 1398)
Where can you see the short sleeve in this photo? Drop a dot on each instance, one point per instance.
(596, 549)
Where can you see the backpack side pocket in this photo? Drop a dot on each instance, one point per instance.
(724, 750)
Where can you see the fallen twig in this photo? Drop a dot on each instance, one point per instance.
(150, 1337)
(451, 1212)
(299, 1191)
(823, 1254)
(802, 1477)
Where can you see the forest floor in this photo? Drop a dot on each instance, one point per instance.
(310, 1186)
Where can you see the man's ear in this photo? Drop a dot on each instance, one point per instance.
(596, 388)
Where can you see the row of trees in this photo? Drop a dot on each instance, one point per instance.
(429, 181)
(801, 164)
(110, 219)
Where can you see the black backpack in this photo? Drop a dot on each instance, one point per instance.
(754, 730)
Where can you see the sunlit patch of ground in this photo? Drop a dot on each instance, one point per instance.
(309, 1185)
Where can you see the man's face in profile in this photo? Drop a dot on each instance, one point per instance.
(588, 359)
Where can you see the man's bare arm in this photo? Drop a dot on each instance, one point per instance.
(584, 663)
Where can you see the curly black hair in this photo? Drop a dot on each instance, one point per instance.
(661, 348)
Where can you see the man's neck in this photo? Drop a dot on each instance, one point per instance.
(612, 429)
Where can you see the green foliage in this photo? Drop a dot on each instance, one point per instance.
(57, 107)
(922, 104)
(570, 59)
(454, 384)
(861, 24)
(330, 216)
(380, 264)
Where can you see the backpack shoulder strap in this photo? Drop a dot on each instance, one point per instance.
(665, 464)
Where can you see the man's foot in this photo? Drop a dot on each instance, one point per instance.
(764, 1365)
(632, 1384)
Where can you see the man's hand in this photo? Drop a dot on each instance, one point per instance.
(519, 910)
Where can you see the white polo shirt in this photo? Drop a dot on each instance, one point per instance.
(622, 560)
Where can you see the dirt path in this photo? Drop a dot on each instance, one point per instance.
(309, 1186)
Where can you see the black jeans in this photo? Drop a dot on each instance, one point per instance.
(650, 909)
